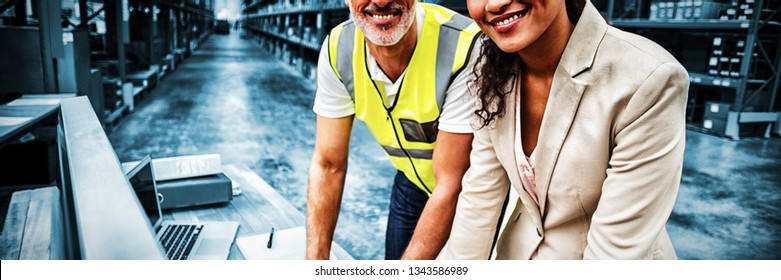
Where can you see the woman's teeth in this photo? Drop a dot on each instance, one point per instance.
(508, 20)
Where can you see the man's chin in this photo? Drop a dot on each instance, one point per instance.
(382, 35)
(382, 39)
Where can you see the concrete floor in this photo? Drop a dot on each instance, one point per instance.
(232, 98)
(729, 203)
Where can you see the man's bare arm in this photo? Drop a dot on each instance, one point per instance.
(326, 182)
(451, 160)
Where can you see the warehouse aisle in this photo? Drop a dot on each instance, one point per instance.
(234, 99)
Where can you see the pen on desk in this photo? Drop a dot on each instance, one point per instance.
(270, 239)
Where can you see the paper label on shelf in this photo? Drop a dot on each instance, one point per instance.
(707, 124)
(67, 37)
(714, 108)
(744, 25)
(717, 41)
(716, 82)
(725, 83)
(713, 61)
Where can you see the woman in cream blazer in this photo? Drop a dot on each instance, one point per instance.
(609, 150)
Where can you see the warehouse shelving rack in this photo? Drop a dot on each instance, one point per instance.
(293, 30)
(751, 88)
(143, 40)
(112, 51)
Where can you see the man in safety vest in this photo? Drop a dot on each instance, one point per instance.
(402, 68)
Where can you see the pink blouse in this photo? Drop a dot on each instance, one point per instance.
(524, 163)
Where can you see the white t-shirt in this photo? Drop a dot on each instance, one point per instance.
(333, 101)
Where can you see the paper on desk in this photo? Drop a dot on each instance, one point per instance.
(288, 244)
(34, 101)
(11, 121)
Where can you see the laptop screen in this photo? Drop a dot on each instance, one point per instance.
(143, 182)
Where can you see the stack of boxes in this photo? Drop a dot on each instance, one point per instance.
(112, 88)
(315, 3)
(687, 9)
(715, 116)
(707, 9)
(738, 10)
(703, 9)
(726, 57)
(728, 53)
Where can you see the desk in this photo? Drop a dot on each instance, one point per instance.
(24, 113)
(258, 208)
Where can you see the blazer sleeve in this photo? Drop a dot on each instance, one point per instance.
(485, 187)
(645, 168)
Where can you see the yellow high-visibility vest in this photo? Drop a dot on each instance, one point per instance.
(408, 129)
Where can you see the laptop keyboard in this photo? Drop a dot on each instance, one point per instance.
(178, 240)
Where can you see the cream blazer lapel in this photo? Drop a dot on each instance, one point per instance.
(565, 95)
(563, 102)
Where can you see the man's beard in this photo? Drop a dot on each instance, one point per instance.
(384, 35)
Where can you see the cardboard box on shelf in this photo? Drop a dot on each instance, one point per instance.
(714, 125)
(716, 110)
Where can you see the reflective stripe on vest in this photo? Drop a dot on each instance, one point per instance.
(407, 130)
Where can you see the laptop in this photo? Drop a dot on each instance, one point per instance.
(180, 240)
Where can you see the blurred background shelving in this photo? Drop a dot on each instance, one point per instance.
(112, 51)
(731, 50)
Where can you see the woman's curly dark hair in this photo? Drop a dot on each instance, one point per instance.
(495, 68)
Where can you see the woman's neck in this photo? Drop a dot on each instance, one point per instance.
(542, 57)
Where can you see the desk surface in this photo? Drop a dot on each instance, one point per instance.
(258, 208)
(24, 113)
